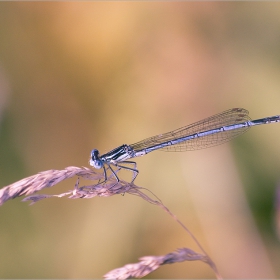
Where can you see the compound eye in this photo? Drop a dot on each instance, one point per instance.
(95, 161)
(97, 164)
(94, 153)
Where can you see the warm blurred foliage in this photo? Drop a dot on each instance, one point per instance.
(76, 76)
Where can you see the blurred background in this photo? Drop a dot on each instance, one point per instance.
(77, 76)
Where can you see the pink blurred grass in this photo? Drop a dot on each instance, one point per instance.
(148, 264)
(49, 178)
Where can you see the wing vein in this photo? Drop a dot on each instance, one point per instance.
(229, 117)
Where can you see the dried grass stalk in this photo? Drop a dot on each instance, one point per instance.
(43, 180)
(149, 264)
(49, 178)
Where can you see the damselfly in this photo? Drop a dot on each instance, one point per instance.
(206, 133)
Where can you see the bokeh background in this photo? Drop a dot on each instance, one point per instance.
(76, 76)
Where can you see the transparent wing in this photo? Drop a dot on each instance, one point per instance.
(229, 117)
